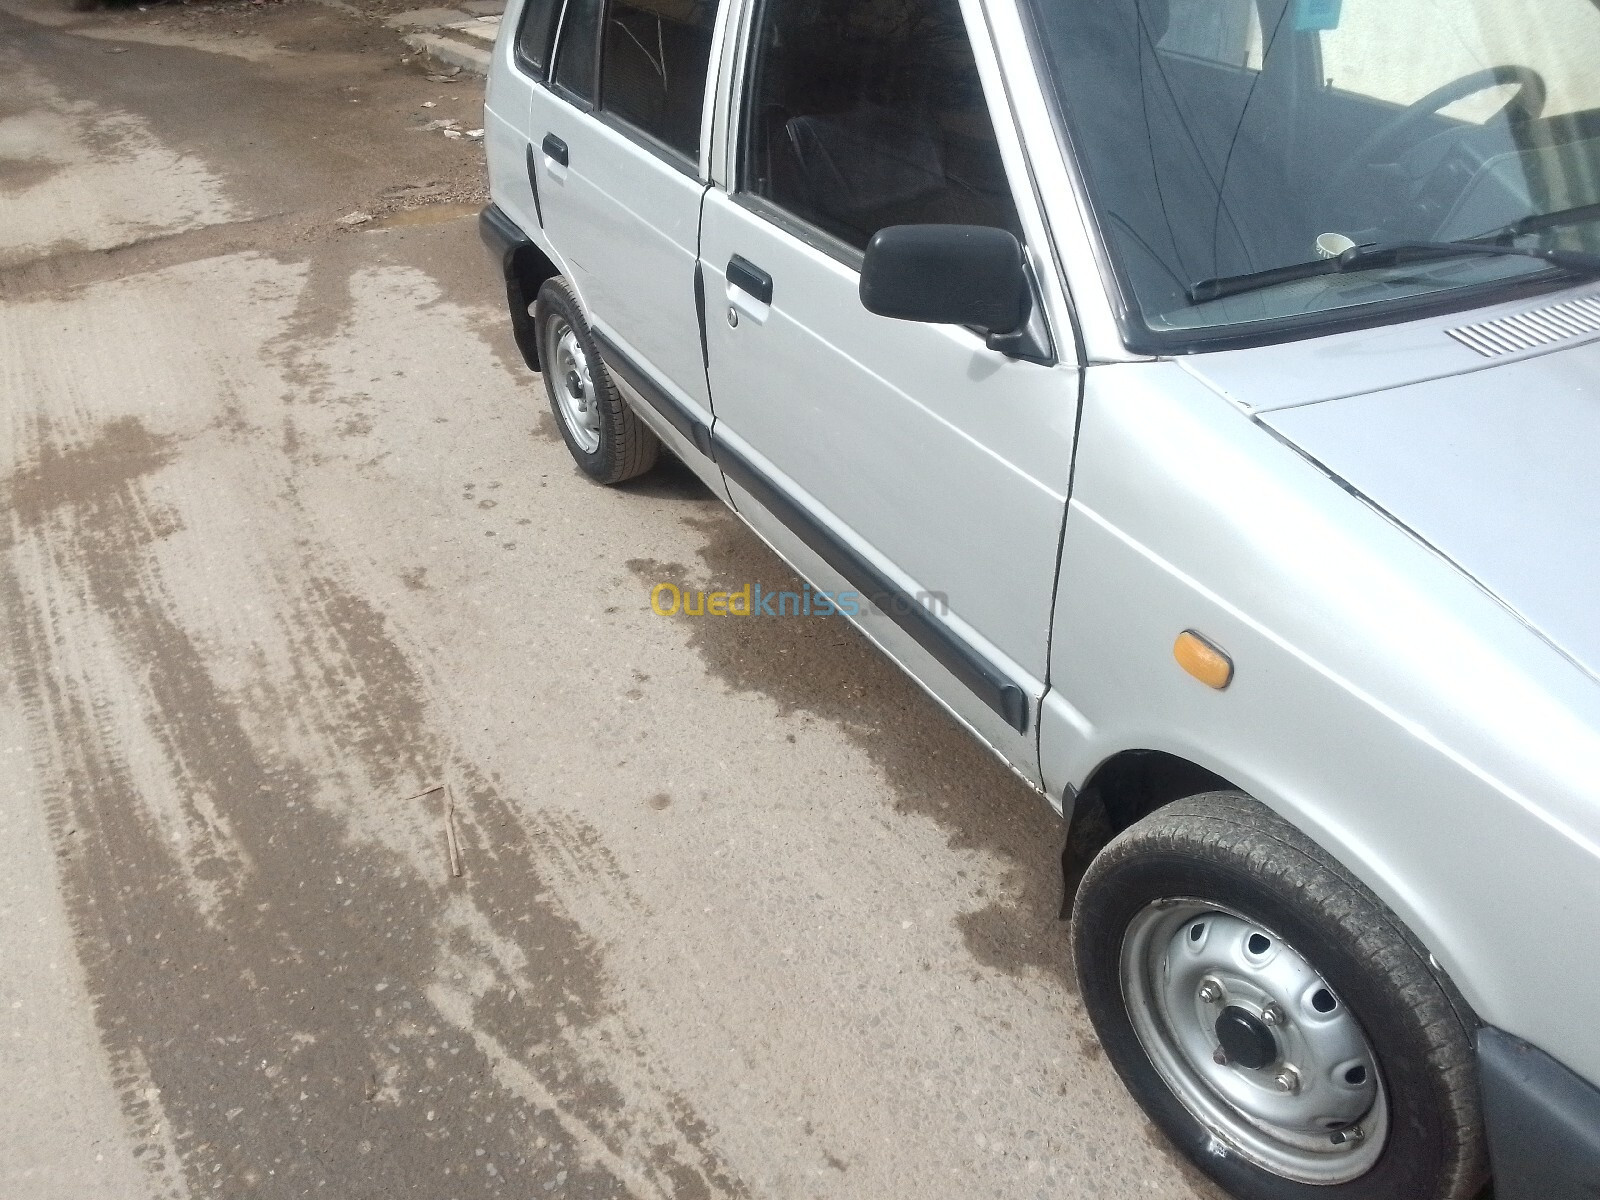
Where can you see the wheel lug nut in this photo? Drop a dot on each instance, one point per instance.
(1210, 991)
(1272, 1015)
(1287, 1081)
(1219, 1056)
(1354, 1134)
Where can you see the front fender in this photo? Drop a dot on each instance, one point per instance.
(1381, 702)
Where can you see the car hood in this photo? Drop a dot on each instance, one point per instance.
(1497, 469)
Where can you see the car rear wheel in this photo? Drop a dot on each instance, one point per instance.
(603, 434)
(1272, 1016)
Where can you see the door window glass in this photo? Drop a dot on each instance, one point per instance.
(575, 56)
(862, 115)
(653, 67)
(533, 37)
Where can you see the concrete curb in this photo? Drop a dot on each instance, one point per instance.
(449, 52)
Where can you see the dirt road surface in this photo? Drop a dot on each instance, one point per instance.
(293, 565)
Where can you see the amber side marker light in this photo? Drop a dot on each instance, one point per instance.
(1203, 660)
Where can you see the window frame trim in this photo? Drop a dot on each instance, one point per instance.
(815, 236)
(646, 141)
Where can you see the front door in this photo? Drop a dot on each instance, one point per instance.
(908, 463)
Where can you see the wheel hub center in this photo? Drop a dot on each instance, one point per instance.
(1245, 1039)
(574, 385)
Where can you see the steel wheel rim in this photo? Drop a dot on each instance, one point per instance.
(572, 385)
(1317, 1112)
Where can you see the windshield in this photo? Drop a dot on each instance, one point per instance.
(1221, 138)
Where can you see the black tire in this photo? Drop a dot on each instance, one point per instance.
(1225, 849)
(624, 446)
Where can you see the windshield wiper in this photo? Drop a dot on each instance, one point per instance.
(1536, 222)
(1362, 258)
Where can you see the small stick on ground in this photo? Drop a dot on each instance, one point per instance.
(451, 844)
(450, 836)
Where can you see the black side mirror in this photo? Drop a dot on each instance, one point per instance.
(970, 275)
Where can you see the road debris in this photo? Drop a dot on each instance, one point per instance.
(355, 218)
(451, 844)
(450, 836)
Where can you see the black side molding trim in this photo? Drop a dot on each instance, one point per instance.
(533, 182)
(505, 241)
(555, 148)
(977, 673)
(748, 277)
(676, 415)
(990, 684)
(1543, 1122)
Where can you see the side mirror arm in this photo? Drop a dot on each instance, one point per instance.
(1031, 340)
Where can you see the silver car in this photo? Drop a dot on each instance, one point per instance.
(1204, 397)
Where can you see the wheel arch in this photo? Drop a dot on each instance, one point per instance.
(526, 269)
(1123, 789)
(524, 266)
(1129, 785)
(1132, 784)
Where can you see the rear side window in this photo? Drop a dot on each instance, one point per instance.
(577, 52)
(653, 68)
(533, 36)
(866, 115)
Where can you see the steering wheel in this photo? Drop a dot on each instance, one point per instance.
(1526, 105)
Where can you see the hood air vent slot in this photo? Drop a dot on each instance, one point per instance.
(1530, 330)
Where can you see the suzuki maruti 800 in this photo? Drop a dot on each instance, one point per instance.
(1230, 370)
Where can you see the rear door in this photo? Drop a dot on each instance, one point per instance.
(518, 73)
(618, 140)
(908, 464)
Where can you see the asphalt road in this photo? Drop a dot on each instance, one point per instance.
(294, 571)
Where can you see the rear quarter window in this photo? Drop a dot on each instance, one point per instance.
(534, 35)
(577, 53)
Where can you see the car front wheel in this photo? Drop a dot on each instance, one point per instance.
(1272, 1016)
